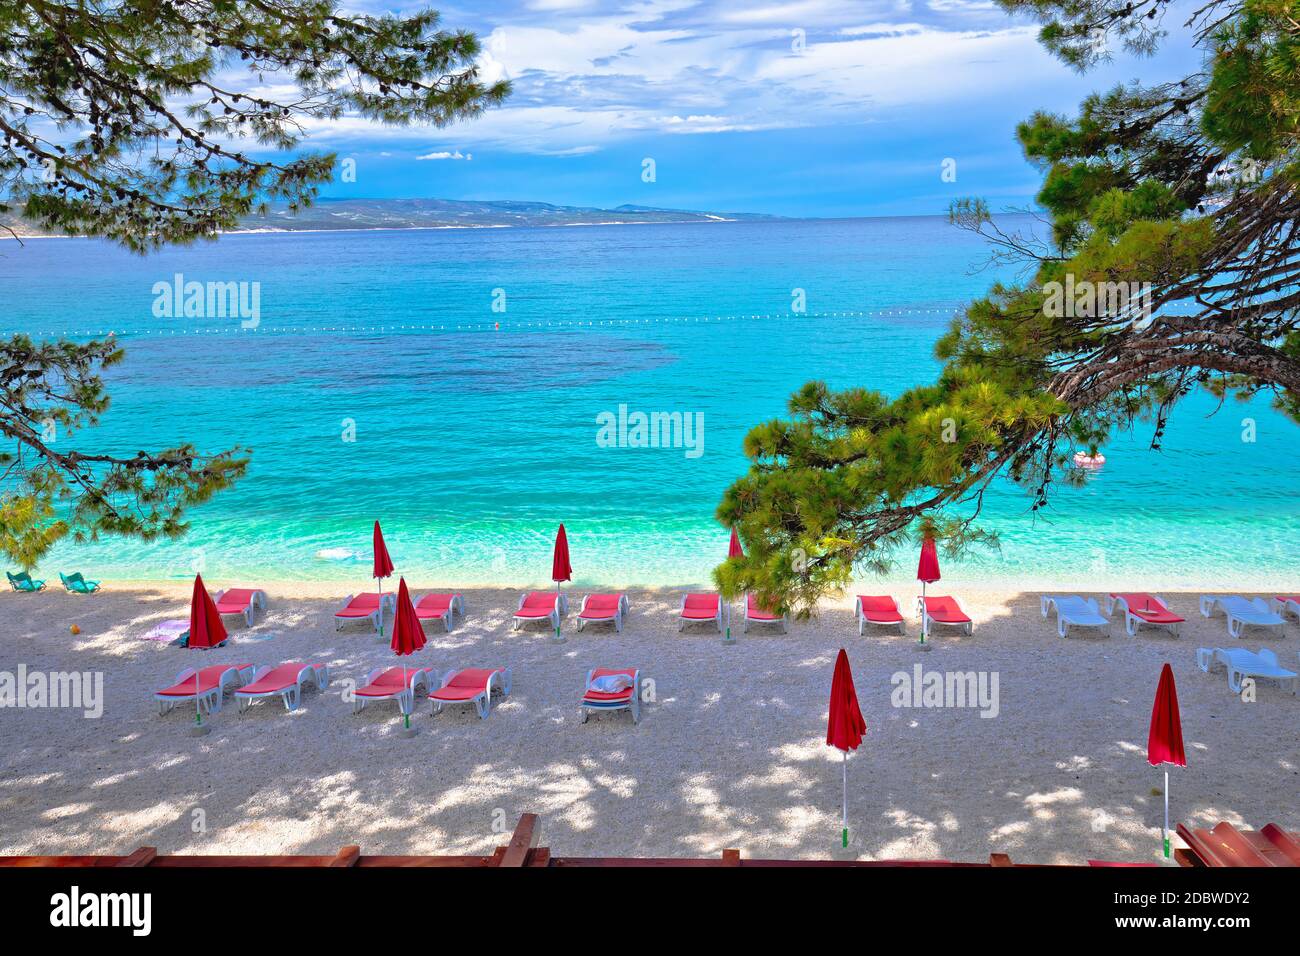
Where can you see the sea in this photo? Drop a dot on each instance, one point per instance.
(473, 388)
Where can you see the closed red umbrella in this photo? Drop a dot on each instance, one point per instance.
(561, 570)
(408, 636)
(734, 550)
(383, 567)
(927, 572)
(206, 630)
(845, 726)
(1165, 738)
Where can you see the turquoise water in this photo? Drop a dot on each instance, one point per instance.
(472, 441)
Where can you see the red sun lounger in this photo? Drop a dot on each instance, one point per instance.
(440, 607)
(756, 614)
(472, 686)
(540, 606)
(945, 610)
(395, 683)
(882, 610)
(1141, 608)
(243, 601)
(603, 607)
(286, 682)
(214, 682)
(612, 688)
(697, 608)
(364, 607)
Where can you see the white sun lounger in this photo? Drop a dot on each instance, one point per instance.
(699, 608)
(1240, 612)
(945, 610)
(628, 698)
(365, 607)
(286, 682)
(1239, 663)
(1073, 611)
(756, 614)
(1141, 608)
(386, 683)
(214, 682)
(1288, 604)
(880, 609)
(243, 601)
(441, 607)
(540, 606)
(472, 686)
(608, 608)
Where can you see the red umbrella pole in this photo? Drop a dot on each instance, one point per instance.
(925, 621)
(1166, 830)
(844, 817)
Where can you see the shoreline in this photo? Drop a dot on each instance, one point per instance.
(900, 588)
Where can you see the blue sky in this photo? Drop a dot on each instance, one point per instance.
(808, 107)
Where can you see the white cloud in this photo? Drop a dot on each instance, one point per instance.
(454, 154)
(588, 73)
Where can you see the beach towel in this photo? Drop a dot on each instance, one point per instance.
(167, 631)
(611, 683)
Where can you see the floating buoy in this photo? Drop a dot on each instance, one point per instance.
(74, 629)
(1084, 460)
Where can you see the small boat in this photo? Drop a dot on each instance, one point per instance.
(1085, 460)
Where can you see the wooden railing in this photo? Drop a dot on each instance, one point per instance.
(1225, 845)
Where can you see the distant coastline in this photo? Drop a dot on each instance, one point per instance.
(365, 215)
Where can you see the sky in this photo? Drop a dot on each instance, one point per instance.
(799, 108)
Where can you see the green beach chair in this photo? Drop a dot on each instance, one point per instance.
(22, 581)
(76, 583)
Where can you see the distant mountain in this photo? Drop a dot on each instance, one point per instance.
(450, 213)
(444, 213)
